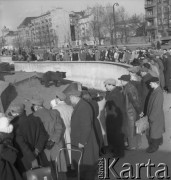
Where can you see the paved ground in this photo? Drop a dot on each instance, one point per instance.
(33, 88)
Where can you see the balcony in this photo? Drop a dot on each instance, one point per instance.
(149, 16)
(149, 5)
(151, 27)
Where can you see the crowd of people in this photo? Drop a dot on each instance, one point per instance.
(96, 123)
(113, 54)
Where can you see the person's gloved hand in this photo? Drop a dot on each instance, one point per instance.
(49, 144)
(34, 163)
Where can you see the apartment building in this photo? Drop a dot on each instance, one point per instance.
(158, 18)
(51, 29)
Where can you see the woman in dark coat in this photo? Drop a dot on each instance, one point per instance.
(8, 153)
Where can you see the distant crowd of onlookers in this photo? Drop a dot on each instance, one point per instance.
(113, 54)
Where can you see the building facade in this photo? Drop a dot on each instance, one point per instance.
(158, 18)
(50, 30)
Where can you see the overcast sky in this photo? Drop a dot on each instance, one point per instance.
(13, 12)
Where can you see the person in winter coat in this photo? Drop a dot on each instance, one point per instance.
(146, 89)
(82, 133)
(8, 153)
(155, 115)
(65, 111)
(96, 124)
(115, 117)
(168, 74)
(133, 111)
(55, 128)
(30, 138)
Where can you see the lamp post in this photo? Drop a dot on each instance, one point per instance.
(114, 21)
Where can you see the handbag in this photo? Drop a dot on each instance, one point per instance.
(40, 173)
(142, 125)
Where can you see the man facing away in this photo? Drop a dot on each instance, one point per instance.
(155, 115)
(65, 111)
(82, 132)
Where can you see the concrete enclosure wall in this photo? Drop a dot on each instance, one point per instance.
(90, 74)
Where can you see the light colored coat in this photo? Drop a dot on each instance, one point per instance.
(66, 113)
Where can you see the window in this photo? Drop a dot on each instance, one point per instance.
(159, 22)
(165, 21)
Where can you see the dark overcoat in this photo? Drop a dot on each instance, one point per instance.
(168, 73)
(30, 134)
(96, 123)
(82, 131)
(7, 158)
(155, 114)
(115, 118)
(146, 90)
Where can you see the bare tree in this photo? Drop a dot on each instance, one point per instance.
(108, 22)
(122, 25)
(97, 24)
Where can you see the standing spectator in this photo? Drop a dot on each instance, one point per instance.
(55, 128)
(96, 124)
(65, 112)
(97, 55)
(30, 138)
(66, 56)
(115, 114)
(82, 55)
(133, 111)
(168, 74)
(75, 56)
(155, 115)
(82, 132)
(146, 90)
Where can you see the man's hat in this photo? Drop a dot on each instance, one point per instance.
(125, 77)
(60, 95)
(134, 69)
(147, 65)
(72, 89)
(153, 79)
(17, 108)
(110, 82)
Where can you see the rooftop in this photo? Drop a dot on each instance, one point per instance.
(26, 21)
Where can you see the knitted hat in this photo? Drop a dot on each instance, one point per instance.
(110, 82)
